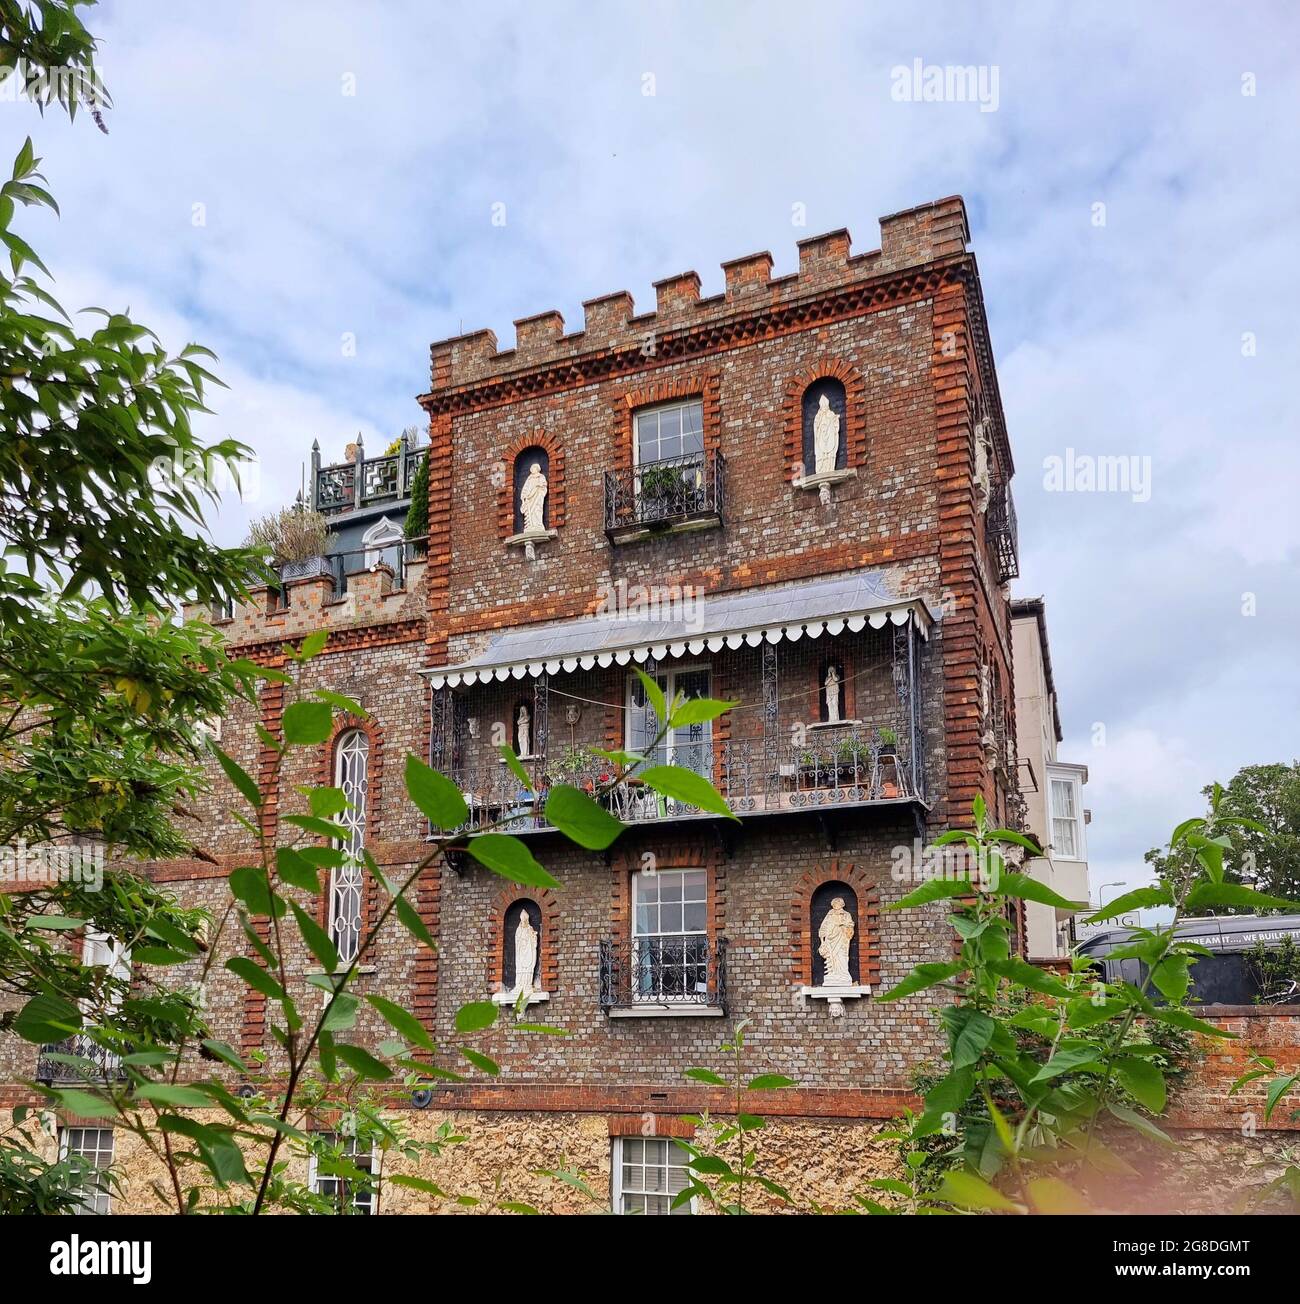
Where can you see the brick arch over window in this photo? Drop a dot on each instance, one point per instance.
(554, 477)
(688, 855)
(855, 418)
(801, 940)
(706, 386)
(548, 944)
(344, 725)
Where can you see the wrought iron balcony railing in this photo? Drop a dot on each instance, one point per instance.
(848, 767)
(1002, 533)
(659, 495)
(381, 479)
(664, 972)
(77, 1059)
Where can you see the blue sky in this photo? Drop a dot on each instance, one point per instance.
(347, 160)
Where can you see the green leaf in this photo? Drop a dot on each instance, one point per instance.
(413, 924)
(936, 889)
(580, 819)
(438, 799)
(1177, 1018)
(654, 695)
(1172, 978)
(713, 1164)
(248, 884)
(769, 1082)
(313, 644)
(318, 940)
(255, 976)
(1139, 899)
(971, 1036)
(1019, 839)
(416, 1184)
(707, 1076)
(308, 723)
(1276, 1090)
(47, 1017)
(1140, 1124)
(1024, 888)
(923, 976)
(1069, 1059)
(509, 857)
(514, 766)
(1206, 895)
(1050, 1195)
(84, 1103)
(484, 1063)
(339, 702)
(238, 776)
(968, 1191)
(173, 1095)
(341, 1015)
(699, 710)
(946, 1097)
(314, 824)
(403, 1022)
(326, 802)
(1031, 976)
(362, 1062)
(1144, 1082)
(293, 868)
(475, 1016)
(687, 786)
(226, 1053)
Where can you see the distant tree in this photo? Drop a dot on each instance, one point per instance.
(417, 515)
(1267, 859)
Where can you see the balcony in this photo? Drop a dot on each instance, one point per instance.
(677, 493)
(364, 481)
(76, 1061)
(852, 768)
(656, 976)
(1002, 534)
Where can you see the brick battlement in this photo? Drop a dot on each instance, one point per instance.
(912, 238)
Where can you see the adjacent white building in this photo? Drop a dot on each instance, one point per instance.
(1052, 788)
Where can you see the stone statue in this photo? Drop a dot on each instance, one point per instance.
(524, 732)
(532, 500)
(982, 478)
(525, 953)
(826, 436)
(832, 695)
(835, 934)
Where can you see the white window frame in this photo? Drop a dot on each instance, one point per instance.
(347, 881)
(657, 877)
(350, 1150)
(1055, 775)
(379, 538)
(100, 1201)
(656, 411)
(616, 1177)
(672, 743)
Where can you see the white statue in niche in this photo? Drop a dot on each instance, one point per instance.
(525, 954)
(532, 500)
(524, 732)
(835, 934)
(832, 695)
(826, 436)
(982, 479)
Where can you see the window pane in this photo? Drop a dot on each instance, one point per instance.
(694, 918)
(1063, 838)
(1063, 799)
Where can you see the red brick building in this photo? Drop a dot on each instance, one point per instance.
(843, 577)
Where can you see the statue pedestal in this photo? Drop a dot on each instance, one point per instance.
(529, 540)
(832, 724)
(822, 483)
(512, 998)
(835, 996)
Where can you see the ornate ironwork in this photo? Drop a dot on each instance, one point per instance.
(657, 495)
(379, 479)
(771, 677)
(541, 716)
(440, 728)
(661, 971)
(1002, 534)
(78, 1059)
(336, 488)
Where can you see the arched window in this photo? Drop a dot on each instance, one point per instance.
(833, 390)
(383, 543)
(822, 904)
(351, 766)
(524, 463)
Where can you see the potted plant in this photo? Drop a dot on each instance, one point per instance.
(295, 540)
(888, 741)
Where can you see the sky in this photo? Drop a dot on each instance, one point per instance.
(310, 189)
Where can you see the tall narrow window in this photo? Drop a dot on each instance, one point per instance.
(1067, 832)
(690, 746)
(670, 943)
(351, 764)
(94, 1146)
(648, 1173)
(348, 1194)
(674, 430)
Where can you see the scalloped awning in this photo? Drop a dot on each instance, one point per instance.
(731, 620)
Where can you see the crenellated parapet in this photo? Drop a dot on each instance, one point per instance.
(911, 239)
